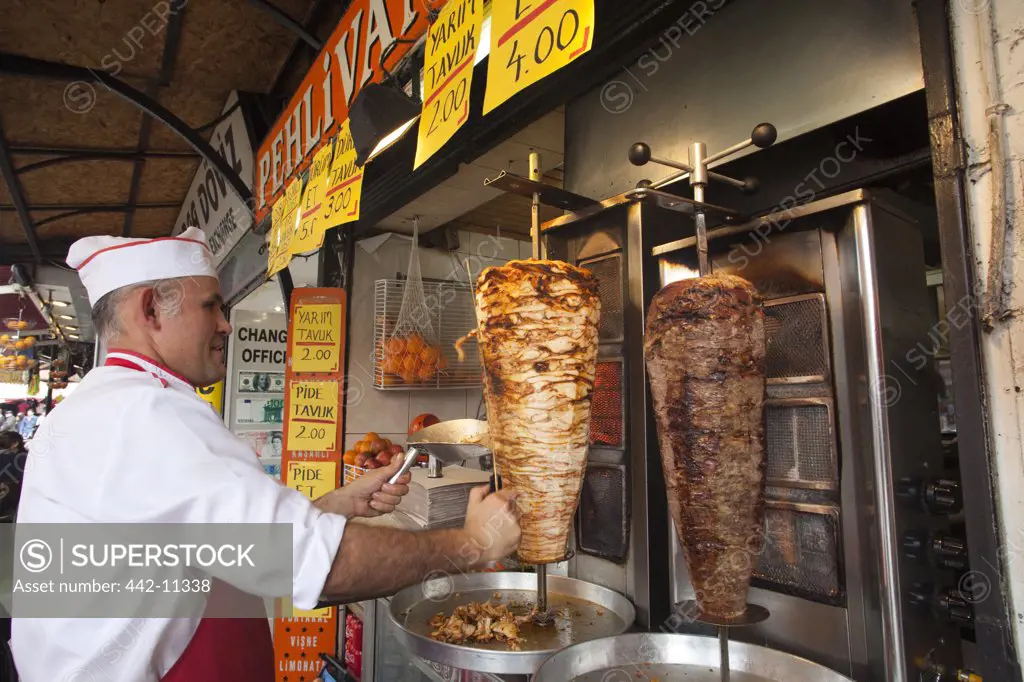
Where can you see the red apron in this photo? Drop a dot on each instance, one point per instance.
(227, 649)
(223, 649)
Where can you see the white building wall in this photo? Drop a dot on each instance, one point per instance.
(988, 42)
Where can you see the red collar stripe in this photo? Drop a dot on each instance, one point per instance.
(124, 362)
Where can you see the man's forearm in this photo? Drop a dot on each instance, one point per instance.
(374, 562)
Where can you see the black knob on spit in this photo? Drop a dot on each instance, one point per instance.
(764, 135)
(949, 552)
(943, 496)
(644, 184)
(955, 607)
(639, 154)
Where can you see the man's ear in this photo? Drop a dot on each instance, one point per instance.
(148, 308)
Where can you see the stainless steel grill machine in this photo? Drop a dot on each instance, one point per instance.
(860, 566)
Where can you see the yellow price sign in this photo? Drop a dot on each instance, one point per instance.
(312, 479)
(344, 184)
(274, 237)
(448, 74)
(308, 234)
(531, 39)
(316, 339)
(280, 247)
(213, 394)
(313, 416)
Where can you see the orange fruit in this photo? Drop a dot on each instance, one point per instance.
(350, 457)
(429, 355)
(415, 343)
(442, 361)
(390, 380)
(411, 364)
(393, 364)
(370, 436)
(362, 446)
(408, 377)
(426, 372)
(394, 346)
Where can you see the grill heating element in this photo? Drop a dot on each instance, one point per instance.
(797, 334)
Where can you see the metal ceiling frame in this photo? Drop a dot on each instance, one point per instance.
(93, 208)
(99, 155)
(172, 42)
(38, 68)
(10, 176)
(281, 18)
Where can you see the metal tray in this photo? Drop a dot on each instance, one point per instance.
(454, 441)
(645, 657)
(584, 611)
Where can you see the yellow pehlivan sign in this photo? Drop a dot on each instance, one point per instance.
(448, 74)
(531, 39)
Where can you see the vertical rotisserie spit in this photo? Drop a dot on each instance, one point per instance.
(537, 333)
(705, 352)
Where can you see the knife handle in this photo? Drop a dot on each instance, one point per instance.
(411, 455)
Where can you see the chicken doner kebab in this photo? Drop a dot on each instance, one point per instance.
(705, 351)
(537, 333)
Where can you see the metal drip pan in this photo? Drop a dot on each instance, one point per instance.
(583, 612)
(693, 658)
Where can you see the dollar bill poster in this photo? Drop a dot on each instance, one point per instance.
(260, 382)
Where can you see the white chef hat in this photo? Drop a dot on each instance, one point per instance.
(108, 263)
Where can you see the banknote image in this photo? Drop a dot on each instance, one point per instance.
(266, 444)
(261, 382)
(259, 410)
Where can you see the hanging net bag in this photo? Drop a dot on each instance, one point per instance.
(411, 354)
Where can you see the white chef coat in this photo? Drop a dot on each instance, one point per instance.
(142, 447)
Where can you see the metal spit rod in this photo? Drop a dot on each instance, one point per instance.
(542, 589)
(723, 648)
(535, 206)
(763, 135)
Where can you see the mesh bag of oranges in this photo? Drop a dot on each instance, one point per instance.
(411, 354)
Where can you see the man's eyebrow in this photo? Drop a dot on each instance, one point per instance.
(216, 298)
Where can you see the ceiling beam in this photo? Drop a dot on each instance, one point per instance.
(286, 21)
(172, 40)
(18, 197)
(313, 17)
(103, 156)
(38, 68)
(128, 209)
(36, 150)
(92, 208)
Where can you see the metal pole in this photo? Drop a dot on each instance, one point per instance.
(723, 647)
(535, 208)
(698, 180)
(542, 590)
(892, 604)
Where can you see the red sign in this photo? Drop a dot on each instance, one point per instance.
(349, 60)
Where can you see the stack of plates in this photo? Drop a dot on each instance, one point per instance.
(441, 502)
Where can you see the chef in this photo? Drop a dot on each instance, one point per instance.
(135, 444)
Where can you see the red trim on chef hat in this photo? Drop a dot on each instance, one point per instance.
(108, 263)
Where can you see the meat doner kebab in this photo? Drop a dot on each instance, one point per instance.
(705, 351)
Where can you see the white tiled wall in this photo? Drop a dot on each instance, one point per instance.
(389, 413)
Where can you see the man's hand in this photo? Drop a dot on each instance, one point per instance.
(492, 524)
(369, 495)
